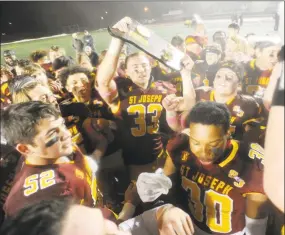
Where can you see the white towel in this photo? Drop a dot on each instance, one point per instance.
(151, 185)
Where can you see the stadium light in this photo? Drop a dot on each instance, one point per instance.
(102, 18)
(106, 12)
(3, 34)
(9, 22)
(145, 9)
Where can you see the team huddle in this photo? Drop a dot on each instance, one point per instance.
(154, 150)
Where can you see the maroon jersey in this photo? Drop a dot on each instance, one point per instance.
(35, 183)
(254, 78)
(242, 108)
(139, 111)
(216, 193)
(6, 98)
(98, 107)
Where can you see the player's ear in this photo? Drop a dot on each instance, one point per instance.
(23, 149)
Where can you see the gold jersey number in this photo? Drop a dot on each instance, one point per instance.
(36, 182)
(141, 111)
(223, 224)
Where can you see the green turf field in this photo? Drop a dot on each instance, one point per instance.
(260, 26)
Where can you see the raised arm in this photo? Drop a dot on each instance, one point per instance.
(173, 105)
(106, 71)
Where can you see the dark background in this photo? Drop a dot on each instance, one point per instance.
(38, 19)
(34, 19)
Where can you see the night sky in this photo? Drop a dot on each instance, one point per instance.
(48, 18)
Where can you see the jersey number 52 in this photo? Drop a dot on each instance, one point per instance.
(141, 112)
(35, 182)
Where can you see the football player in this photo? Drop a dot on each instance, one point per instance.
(53, 166)
(10, 61)
(217, 180)
(41, 58)
(137, 103)
(80, 82)
(6, 75)
(258, 71)
(76, 115)
(226, 83)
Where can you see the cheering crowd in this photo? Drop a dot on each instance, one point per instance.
(117, 143)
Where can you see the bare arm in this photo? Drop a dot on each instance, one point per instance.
(274, 157)
(189, 94)
(274, 146)
(107, 69)
(173, 104)
(169, 168)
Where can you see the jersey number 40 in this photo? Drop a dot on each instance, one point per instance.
(141, 112)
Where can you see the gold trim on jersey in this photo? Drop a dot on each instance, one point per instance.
(212, 98)
(250, 120)
(232, 154)
(160, 154)
(252, 64)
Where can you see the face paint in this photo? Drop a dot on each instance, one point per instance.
(218, 152)
(52, 142)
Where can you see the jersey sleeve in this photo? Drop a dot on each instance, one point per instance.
(254, 169)
(176, 146)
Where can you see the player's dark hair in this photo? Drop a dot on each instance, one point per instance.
(177, 41)
(19, 121)
(234, 26)
(210, 113)
(264, 44)
(136, 54)
(66, 72)
(236, 67)
(44, 217)
(62, 61)
(24, 62)
(8, 53)
(37, 55)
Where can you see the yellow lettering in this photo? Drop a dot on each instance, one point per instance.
(148, 98)
(233, 119)
(159, 98)
(201, 178)
(227, 189)
(152, 99)
(140, 100)
(131, 100)
(195, 176)
(207, 181)
(187, 170)
(213, 184)
(221, 185)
